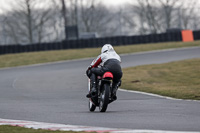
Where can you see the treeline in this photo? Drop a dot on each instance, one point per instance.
(36, 21)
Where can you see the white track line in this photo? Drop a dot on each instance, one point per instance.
(155, 95)
(63, 127)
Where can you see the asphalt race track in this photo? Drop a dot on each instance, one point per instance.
(55, 93)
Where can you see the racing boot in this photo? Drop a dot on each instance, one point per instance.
(114, 90)
(93, 91)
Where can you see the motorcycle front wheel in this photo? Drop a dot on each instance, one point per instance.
(104, 98)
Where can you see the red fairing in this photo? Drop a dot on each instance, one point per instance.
(108, 75)
(98, 61)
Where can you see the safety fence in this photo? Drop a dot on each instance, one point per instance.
(98, 42)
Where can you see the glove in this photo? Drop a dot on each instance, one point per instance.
(88, 71)
(89, 67)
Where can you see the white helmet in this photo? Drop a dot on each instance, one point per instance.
(107, 47)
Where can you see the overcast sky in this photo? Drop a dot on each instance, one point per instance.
(4, 4)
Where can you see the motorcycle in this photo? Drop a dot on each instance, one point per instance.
(103, 95)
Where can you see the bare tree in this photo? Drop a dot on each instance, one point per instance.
(151, 15)
(187, 13)
(64, 12)
(195, 20)
(26, 23)
(3, 36)
(69, 11)
(168, 7)
(139, 11)
(146, 16)
(73, 12)
(135, 16)
(94, 16)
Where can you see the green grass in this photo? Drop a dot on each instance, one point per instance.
(14, 129)
(176, 79)
(12, 60)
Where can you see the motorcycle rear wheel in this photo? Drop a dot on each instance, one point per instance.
(104, 98)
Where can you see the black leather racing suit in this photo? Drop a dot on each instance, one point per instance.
(109, 61)
(111, 65)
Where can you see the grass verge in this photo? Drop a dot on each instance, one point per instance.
(12, 60)
(13, 129)
(179, 79)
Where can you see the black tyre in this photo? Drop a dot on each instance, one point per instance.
(92, 107)
(104, 98)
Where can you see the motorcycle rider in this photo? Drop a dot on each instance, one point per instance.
(107, 61)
